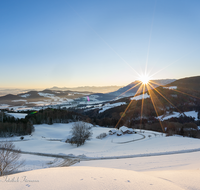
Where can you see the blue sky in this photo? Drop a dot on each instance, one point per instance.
(96, 43)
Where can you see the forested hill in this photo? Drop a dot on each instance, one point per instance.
(187, 84)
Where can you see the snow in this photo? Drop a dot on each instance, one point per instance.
(124, 129)
(180, 169)
(139, 97)
(171, 87)
(77, 178)
(108, 106)
(53, 101)
(177, 114)
(41, 103)
(46, 95)
(113, 131)
(20, 100)
(25, 95)
(50, 139)
(4, 106)
(192, 114)
(127, 138)
(174, 114)
(18, 115)
(157, 162)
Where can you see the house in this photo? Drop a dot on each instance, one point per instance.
(112, 131)
(126, 130)
(119, 133)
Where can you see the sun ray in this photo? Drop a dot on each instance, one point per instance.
(151, 96)
(185, 93)
(128, 106)
(142, 106)
(177, 90)
(169, 65)
(167, 99)
(128, 90)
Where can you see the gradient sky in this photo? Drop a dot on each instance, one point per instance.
(46, 43)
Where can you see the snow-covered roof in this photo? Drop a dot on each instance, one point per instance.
(124, 129)
(119, 132)
(113, 130)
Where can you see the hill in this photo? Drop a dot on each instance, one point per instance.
(189, 84)
(94, 89)
(130, 90)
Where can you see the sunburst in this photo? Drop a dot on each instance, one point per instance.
(147, 85)
(145, 82)
(145, 79)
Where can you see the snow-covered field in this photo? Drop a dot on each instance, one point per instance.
(4, 106)
(177, 114)
(17, 115)
(50, 139)
(139, 97)
(108, 106)
(145, 160)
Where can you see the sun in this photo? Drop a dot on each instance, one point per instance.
(144, 79)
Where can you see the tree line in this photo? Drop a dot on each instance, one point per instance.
(10, 126)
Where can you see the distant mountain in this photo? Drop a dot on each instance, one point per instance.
(14, 91)
(155, 83)
(32, 98)
(94, 89)
(189, 85)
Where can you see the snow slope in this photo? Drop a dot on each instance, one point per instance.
(108, 106)
(180, 169)
(177, 114)
(152, 162)
(171, 87)
(142, 96)
(77, 178)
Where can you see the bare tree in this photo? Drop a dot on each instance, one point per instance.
(80, 133)
(9, 157)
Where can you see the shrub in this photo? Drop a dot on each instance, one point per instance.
(101, 136)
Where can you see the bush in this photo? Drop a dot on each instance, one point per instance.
(101, 136)
(80, 133)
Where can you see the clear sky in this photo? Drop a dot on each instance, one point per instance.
(45, 43)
